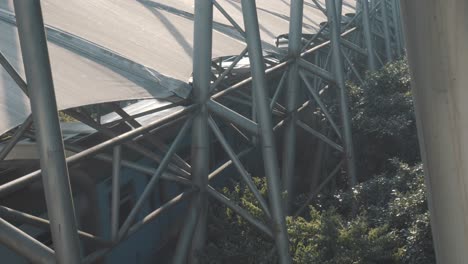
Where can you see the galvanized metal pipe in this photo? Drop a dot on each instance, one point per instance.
(279, 89)
(292, 99)
(157, 142)
(13, 73)
(130, 144)
(200, 157)
(276, 68)
(140, 168)
(25, 180)
(316, 70)
(353, 68)
(186, 235)
(18, 217)
(343, 94)
(320, 104)
(25, 245)
(228, 163)
(240, 211)
(396, 27)
(232, 116)
(238, 164)
(266, 135)
(229, 18)
(437, 45)
(115, 201)
(16, 138)
(366, 28)
(44, 110)
(386, 30)
(319, 136)
(154, 180)
(228, 70)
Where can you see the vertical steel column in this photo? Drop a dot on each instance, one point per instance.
(267, 139)
(44, 110)
(368, 36)
(339, 10)
(437, 45)
(202, 46)
(292, 98)
(338, 71)
(400, 25)
(396, 26)
(386, 29)
(115, 202)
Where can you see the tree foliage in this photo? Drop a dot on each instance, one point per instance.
(383, 119)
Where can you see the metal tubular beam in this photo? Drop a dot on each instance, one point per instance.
(202, 46)
(267, 139)
(279, 89)
(23, 181)
(396, 27)
(130, 144)
(229, 18)
(350, 45)
(16, 137)
(343, 95)
(186, 235)
(386, 30)
(115, 203)
(13, 73)
(158, 143)
(23, 244)
(353, 68)
(339, 10)
(238, 164)
(368, 36)
(232, 116)
(320, 7)
(228, 70)
(142, 168)
(299, 109)
(18, 217)
(288, 173)
(316, 70)
(154, 180)
(228, 163)
(320, 104)
(44, 108)
(319, 136)
(400, 25)
(436, 34)
(242, 134)
(276, 68)
(240, 211)
(153, 215)
(318, 34)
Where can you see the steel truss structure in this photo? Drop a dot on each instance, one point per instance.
(325, 61)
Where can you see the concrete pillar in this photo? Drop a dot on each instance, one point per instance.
(437, 46)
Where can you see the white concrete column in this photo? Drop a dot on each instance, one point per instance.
(437, 45)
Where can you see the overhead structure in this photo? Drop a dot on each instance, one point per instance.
(152, 52)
